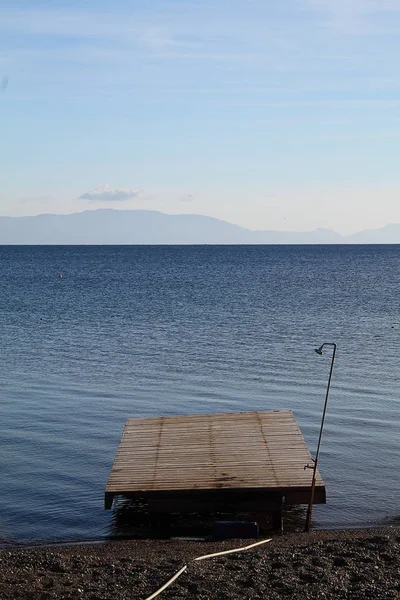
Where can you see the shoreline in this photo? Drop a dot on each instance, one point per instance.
(62, 543)
(349, 563)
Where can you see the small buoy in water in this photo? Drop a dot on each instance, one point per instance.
(60, 276)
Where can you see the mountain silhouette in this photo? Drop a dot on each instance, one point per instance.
(109, 226)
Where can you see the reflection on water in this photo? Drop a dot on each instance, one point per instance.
(131, 519)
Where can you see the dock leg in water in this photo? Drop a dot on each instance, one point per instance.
(108, 501)
(277, 520)
(160, 525)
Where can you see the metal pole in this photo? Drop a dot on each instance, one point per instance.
(310, 506)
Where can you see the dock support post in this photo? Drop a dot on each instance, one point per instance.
(160, 524)
(277, 521)
(277, 517)
(108, 500)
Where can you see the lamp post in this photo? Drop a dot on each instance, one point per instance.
(314, 467)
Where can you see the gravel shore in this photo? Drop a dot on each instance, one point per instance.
(321, 564)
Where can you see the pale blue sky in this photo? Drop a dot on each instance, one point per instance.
(280, 115)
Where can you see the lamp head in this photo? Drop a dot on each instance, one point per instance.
(319, 350)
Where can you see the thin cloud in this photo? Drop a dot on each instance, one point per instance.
(4, 84)
(356, 7)
(157, 38)
(106, 194)
(33, 199)
(188, 198)
(359, 17)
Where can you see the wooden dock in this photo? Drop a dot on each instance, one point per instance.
(250, 460)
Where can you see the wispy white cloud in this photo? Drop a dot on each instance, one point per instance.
(381, 135)
(188, 197)
(359, 17)
(356, 7)
(334, 104)
(4, 84)
(222, 57)
(62, 23)
(158, 38)
(106, 194)
(209, 29)
(34, 199)
(142, 31)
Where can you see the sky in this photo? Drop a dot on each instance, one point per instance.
(271, 115)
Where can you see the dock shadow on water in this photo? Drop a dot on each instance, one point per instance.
(131, 519)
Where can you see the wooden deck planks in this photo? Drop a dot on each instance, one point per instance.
(262, 450)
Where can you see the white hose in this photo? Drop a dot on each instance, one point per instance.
(179, 573)
(234, 550)
(164, 587)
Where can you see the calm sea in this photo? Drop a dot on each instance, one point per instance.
(150, 330)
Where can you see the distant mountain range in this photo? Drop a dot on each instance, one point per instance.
(108, 226)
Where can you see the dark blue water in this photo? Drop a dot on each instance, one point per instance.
(144, 331)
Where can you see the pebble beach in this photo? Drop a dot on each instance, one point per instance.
(320, 564)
